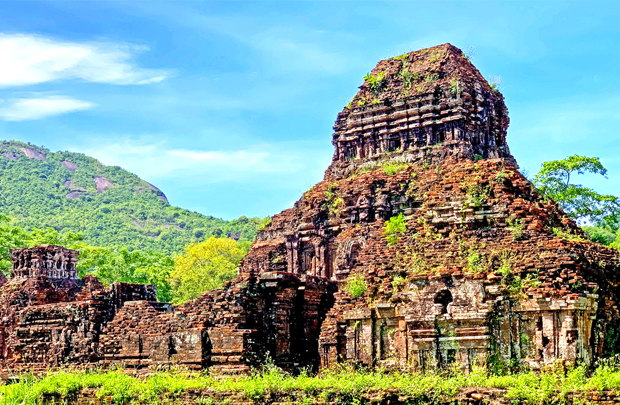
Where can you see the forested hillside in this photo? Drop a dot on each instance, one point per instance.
(111, 207)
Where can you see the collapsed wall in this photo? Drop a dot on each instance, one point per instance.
(423, 247)
(49, 316)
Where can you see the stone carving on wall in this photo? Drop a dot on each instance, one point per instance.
(49, 260)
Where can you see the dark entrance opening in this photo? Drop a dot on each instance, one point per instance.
(443, 297)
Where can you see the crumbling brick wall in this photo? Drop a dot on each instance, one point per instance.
(49, 317)
(272, 317)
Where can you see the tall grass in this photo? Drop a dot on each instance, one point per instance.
(530, 387)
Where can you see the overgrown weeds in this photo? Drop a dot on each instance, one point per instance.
(375, 82)
(355, 285)
(525, 387)
(394, 228)
(515, 226)
(567, 235)
(392, 168)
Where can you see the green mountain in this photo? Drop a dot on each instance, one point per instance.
(111, 207)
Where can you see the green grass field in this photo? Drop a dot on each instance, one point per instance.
(528, 387)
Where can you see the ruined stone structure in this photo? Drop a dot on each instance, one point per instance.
(49, 316)
(424, 246)
(48, 260)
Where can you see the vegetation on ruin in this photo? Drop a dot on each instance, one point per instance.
(561, 233)
(515, 225)
(132, 214)
(476, 260)
(391, 168)
(342, 385)
(394, 229)
(355, 285)
(333, 204)
(376, 82)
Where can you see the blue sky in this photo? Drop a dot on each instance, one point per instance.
(228, 107)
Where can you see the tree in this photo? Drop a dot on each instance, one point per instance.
(579, 202)
(205, 266)
(13, 237)
(112, 265)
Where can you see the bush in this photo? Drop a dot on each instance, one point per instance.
(394, 228)
(356, 285)
(375, 82)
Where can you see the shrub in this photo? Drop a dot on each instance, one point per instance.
(515, 225)
(394, 228)
(431, 78)
(356, 285)
(336, 206)
(477, 195)
(454, 87)
(560, 233)
(475, 260)
(408, 78)
(398, 281)
(502, 176)
(264, 222)
(375, 82)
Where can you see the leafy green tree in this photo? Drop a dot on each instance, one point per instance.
(13, 237)
(581, 203)
(111, 265)
(605, 234)
(205, 266)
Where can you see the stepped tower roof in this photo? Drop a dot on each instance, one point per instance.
(425, 105)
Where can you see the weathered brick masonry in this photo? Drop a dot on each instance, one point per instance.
(486, 271)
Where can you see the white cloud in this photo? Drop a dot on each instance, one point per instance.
(29, 59)
(36, 108)
(228, 159)
(156, 160)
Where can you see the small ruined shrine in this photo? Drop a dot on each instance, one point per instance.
(423, 247)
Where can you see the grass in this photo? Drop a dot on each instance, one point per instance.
(526, 387)
(391, 168)
(567, 235)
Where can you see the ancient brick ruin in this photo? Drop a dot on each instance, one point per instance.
(477, 268)
(49, 316)
(46, 260)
